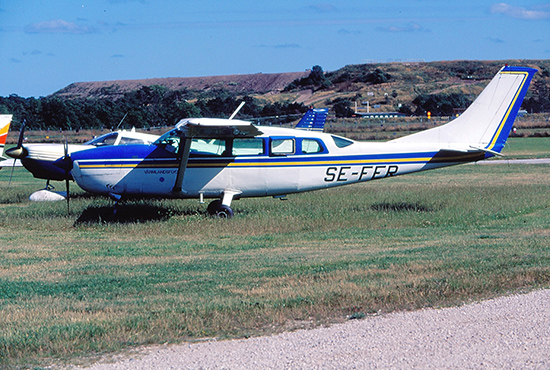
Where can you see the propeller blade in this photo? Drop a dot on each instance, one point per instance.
(11, 174)
(18, 151)
(21, 134)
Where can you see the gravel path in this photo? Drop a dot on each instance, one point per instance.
(506, 333)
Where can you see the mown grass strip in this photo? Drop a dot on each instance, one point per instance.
(70, 287)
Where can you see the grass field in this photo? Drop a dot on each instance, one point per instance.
(162, 271)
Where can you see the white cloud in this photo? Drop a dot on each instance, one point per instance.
(519, 12)
(58, 26)
(409, 27)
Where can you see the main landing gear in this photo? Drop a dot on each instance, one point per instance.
(217, 209)
(221, 207)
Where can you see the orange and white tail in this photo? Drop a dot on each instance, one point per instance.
(5, 121)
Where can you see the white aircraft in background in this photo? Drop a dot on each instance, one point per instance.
(230, 159)
(52, 161)
(42, 159)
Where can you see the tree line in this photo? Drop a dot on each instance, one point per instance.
(149, 106)
(158, 106)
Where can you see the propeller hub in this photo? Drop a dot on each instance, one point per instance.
(17, 152)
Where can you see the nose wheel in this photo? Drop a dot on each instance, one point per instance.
(219, 210)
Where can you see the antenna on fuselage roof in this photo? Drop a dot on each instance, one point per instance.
(237, 110)
(122, 120)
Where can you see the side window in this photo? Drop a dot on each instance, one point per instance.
(310, 146)
(283, 146)
(251, 146)
(207, 147)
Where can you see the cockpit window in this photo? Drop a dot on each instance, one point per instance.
(341, 142)
(170, 140)
(199, 147)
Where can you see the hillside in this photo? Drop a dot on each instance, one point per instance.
(406, 81)
(409, 80)
(257, 83)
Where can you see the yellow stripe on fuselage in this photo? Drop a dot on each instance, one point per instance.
(263, 164)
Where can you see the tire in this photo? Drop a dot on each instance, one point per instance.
(213, 207)
(217, 209)
(224, 212)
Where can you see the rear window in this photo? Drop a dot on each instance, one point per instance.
(283, 146)
(341, 142)
(310, 146)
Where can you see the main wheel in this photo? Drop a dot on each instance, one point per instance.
(224, 212)
(217, 209)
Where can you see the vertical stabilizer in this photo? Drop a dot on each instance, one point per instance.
(313, 120)
(5, 120)
(486, 124)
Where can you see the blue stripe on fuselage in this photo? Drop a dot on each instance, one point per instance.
(153, 156)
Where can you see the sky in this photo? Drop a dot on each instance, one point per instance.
(47, 45)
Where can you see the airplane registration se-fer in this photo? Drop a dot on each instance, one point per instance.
(229, 159)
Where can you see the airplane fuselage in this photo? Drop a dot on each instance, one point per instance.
(284, 161)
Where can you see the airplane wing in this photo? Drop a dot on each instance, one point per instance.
(211, 128)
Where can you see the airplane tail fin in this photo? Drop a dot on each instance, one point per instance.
(486, 124)
(313, 120)
(5, 121)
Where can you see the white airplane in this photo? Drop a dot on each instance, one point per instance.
(44, 161)
(231, 159)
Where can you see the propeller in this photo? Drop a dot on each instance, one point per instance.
(17, 152)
